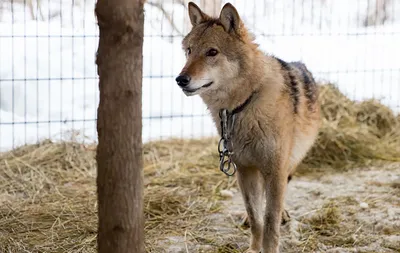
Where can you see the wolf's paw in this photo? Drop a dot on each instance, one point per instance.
(285, 217)
(244, 220)
(252, 251)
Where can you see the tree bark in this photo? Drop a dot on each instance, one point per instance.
(119, 126)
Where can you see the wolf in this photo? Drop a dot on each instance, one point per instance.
(275, 105)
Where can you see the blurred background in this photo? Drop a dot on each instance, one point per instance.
(49, 82)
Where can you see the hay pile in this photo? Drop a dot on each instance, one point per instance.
(354, 132)
(48, 199)
(48, 195)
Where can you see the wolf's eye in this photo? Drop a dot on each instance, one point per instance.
(188, 50)
(212, 52)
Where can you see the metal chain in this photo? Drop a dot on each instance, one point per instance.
(225, 145)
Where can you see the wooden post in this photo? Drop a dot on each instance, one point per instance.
(119, 126)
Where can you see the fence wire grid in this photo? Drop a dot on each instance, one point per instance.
(49, 82)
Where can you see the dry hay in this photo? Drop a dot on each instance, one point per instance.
(336, 224)
(354, 132)
(48, 195)
(48, 199)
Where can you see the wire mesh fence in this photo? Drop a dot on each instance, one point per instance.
(49, 82)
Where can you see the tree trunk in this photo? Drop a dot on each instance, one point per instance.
(119, 126)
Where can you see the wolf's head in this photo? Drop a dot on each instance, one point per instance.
(216, 50)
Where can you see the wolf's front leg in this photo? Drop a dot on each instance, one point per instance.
(275, 190)
(251, 185)
(285, 214)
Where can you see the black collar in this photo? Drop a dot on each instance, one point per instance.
(242, 106)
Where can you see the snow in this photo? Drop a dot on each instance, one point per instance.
(48, 76)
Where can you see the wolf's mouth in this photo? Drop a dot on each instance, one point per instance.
(194, 90)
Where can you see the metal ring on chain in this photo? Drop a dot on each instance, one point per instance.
(228, 166)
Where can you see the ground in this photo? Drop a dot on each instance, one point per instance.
(353, 211)
(48, 202)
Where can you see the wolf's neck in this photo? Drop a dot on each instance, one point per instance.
(229, 99)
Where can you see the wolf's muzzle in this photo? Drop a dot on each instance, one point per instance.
(183, 80)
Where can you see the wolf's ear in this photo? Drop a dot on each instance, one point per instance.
(229, 18)
(195, 14)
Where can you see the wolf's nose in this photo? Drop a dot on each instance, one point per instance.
(183, 80)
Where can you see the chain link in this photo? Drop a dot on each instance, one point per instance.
(225, 144)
